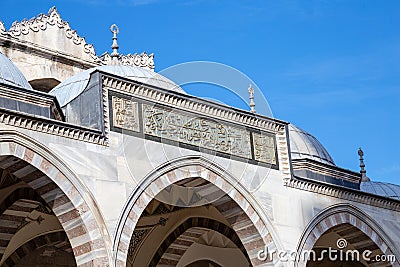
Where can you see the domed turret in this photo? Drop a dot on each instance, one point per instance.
(11, 75)
(381, 189)
(304, 145)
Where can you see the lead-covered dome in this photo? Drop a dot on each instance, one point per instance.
(381, 189)
(304, 145)
(74, 86)
(11, 75)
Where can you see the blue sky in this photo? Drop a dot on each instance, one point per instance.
(329, 67)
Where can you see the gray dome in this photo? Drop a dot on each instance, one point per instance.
(304, 145)
(11, 75)
(74, 86)
(381, 189)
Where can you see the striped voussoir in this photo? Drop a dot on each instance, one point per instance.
(339, 221)
(249, 227)
(58, 240)
(187, 233)
(178, 247)
(63, 199)
(243, 226)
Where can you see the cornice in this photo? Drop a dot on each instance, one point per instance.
(325, 169)
(143, 60)
(49, 126)
(343, 193)
(193, 104)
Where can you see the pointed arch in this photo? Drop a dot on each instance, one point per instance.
(62, 191)
(260, 231)
(346, 214)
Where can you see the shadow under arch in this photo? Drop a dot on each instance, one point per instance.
(67, 196)
(194, 167)
(56, 237)
(209, 224)
(345, 214)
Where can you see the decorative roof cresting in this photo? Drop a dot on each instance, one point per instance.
(115, 58)
(42, 22)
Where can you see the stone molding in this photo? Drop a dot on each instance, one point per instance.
(33, 97)
(340, 214)
(343, 193)
(324, 169)
(193, 105)
(50, 126)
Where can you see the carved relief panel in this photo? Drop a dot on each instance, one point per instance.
(177, 127)
(264, 148)
(125, 114)
(197, 131)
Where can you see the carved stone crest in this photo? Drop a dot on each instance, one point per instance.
(264, 148)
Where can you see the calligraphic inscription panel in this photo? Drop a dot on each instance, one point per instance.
(196, 131)
(264, 148)
(125, 114)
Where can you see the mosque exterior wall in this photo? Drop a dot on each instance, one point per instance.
(110, 173)
(101, 184)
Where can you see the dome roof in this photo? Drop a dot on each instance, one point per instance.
(381, 189)
(11, 75)
(304, 145)
(74, 86)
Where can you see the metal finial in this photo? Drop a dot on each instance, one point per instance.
(363, 172)
(252, 103)
(115, 30)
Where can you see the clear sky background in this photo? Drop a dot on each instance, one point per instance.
(329, 67)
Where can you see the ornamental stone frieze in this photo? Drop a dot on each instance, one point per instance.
(155, 120)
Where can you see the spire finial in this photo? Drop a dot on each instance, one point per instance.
(363, 172)
(252, 103)
(115, 30)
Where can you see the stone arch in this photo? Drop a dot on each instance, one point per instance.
(58, 239)
(61, 189)
(345, 214)
(192, 167)
(201, 225)
(19, 202)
